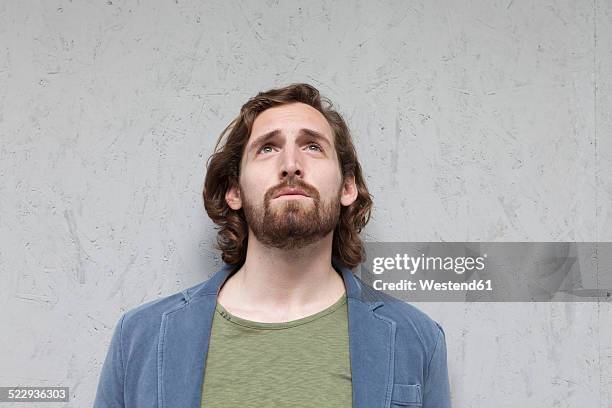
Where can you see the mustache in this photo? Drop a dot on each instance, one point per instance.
(296, 183)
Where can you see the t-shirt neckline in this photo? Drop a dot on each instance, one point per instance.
(280, 325)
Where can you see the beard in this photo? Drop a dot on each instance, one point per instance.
(292, 223)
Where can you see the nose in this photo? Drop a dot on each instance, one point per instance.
(290, 163)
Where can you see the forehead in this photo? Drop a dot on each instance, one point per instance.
(291, 117)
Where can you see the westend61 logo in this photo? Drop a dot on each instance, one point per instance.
(412, 264)
(490, 271)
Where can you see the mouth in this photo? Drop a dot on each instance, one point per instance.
(292, 193)
(292, 196)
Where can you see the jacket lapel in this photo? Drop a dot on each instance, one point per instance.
(183, 344)
(185, 333)
(371, 345)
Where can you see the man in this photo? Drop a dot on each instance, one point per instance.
(285, 322)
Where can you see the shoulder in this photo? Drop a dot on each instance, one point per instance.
(409, 318)
(412, 324)
(145, 319)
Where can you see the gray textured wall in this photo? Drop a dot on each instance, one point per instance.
(474, 121)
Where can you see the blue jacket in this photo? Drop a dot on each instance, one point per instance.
(157, 354)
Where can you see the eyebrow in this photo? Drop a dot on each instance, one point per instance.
(260, 140)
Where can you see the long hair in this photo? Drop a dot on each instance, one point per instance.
(223, 170)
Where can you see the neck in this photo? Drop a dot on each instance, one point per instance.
(290, 280)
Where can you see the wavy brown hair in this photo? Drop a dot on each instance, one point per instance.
(223, 170)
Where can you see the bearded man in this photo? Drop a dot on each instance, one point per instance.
(285, 322)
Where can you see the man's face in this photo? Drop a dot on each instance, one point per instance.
(291, 146)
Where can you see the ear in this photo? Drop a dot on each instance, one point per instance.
(349, 191)
(232, 197)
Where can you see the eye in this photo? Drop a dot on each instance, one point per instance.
(264, 147)
(315, 145)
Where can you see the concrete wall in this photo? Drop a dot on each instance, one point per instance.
(474, 121)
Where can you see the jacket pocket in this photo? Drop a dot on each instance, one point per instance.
(406, 395)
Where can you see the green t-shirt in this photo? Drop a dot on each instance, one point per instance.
(302, 363)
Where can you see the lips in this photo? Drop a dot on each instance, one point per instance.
(291, 191)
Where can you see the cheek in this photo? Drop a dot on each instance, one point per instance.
(330, 183)
(253, 189)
